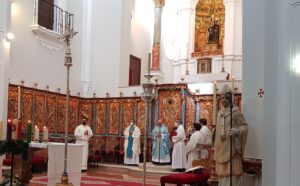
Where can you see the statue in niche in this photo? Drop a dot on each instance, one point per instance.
(213, 33)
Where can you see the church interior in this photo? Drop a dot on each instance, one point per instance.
(113, 62)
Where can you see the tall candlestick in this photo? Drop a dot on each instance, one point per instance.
(19, 101)
(45, 133)
(215, 104)
(9, 130)
(233, 90)
(29, 131)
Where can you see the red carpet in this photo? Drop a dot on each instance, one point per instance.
(91, 181)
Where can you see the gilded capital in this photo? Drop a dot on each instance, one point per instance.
(159, 3)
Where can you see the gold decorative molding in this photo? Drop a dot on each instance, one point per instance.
(159, 3)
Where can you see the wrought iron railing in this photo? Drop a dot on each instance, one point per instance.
(52, 17)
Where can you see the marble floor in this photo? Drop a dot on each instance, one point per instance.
(107, 173)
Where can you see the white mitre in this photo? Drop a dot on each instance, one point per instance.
(225, 89)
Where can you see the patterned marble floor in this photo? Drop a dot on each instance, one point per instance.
(107, 174)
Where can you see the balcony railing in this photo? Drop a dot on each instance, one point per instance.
(52, 17)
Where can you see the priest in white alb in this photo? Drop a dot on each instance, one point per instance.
(132, 147)
(178, 154)
(205, 136)
(82, 134)
(190, 148)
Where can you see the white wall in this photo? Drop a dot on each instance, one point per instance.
(253, 76)
(142, 27)
(32, 62)
(276, 24)
(106, 34)
(75, 7)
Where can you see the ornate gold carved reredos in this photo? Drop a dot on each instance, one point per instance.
(128, 112)
(190, 112)
(86, 109)
(27, 103)
(170, 107)
(51, 109)
(72, 114)
(141, 115)
(61, 113)
(209, 16)
(48, 108)
(206, 108)
(12, 102)
(39, 109)
(100, 117)
(114, 116)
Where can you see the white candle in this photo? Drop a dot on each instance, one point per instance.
(149, 61)
(45, 133)
(36, 133)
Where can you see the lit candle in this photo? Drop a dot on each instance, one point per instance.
(9, 130)
(36, 133)
(45, 133)
(29, 131)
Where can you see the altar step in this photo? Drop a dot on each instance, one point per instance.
(153, 171)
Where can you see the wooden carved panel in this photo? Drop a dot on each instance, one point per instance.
(170, 107)
(128, 113)
(12, 112)
(100, 118)
(206, 108)
(190, 112)
(27, 103)
(86, 109)
(141, 115)
(61, 114)
(98, 142)
(51, 109)
(111, 143)
(39, 109)
(114, 117)
(72, 115)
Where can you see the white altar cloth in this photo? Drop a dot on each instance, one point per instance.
(56, 162)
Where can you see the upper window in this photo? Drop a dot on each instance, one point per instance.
(134, 71)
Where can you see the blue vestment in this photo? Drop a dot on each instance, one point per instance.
(130, 143)
(163, 142)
